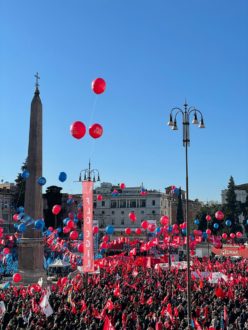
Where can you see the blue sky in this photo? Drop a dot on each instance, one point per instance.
(153, 55)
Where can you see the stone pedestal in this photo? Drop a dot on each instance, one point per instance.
(30, 260)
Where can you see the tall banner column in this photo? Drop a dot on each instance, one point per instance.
(88, 259)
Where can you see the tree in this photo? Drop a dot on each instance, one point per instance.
(180, 217)
(53, 196)
(231, 206)
(19, 197)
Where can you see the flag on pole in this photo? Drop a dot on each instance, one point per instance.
(45, 306)
(107, 324)
(2, 308)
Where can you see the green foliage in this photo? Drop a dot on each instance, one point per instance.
(231, 207)
(19, 198)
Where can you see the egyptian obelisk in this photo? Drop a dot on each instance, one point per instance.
(31, 246)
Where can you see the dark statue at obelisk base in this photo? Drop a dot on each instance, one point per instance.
(31, 246)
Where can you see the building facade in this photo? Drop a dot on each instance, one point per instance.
(241, 192)
(7, 209)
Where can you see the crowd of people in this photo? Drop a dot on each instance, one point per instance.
(126, 295)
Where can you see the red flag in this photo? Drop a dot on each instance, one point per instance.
(149, 301)
(148, 263)
(169, 310)
(225, 315)
(133, 252)
(135, 273)
(109, 305)
(84, 307)
(107, 324)
(197, 324)
(117, 292)
(142, 299)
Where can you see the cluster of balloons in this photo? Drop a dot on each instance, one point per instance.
(22, 220)
(78, 130)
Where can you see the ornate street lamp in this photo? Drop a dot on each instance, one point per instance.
(90, 174)
(186, 113)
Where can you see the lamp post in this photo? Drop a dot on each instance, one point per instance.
(186, 113)
(90, 174)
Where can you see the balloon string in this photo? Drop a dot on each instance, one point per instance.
(90, 123)
(93, 111)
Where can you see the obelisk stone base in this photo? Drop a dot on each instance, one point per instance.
(30, 260)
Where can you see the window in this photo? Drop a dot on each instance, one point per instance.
(103, 203)
(94, 205)
(123, 203)
(122, 222)
(103, 212)
(122, 212)
(113, 221)
(153, 202)
(113, 212)
(142, 212)
(133, 203)
(153, 212)
(113, 204)
(142, 203)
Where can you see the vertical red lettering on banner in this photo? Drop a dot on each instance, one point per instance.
(88, 260)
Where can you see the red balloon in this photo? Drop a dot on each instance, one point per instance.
(105, 238)
(56, 209)
(64, 280)
(66, 230)
(1, 230)
(74, 235)
(219, 215)
(208, 217)
(6, 251)
(95, 131)
(208, 231)
(239, 234)
(15, 217)
(78, 129)
(103, 245)
(95, 230)
(151, 227)
(122, 186)
(70, 224)
(50, 228)
(128, 231)
(164, 220)
(80, 215)
(99, 197)
(224, 235)
(80, 248)
(138, 231)
(132, 216)
(98, 85)
(144, 224)
(232, 235)
(17, 277)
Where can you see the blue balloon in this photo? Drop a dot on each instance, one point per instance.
(176, 191)
(65, 221)
(196, 221)
(76, 220)
(59, 230)
(247, 221)
(228, 223)
(158, 230)
(15, 225)
(39, 224)
(109, 230)
(62, 176)
(204, 235)
(216, 225)
(20, 216)
(192, 237)
(41, 181)
(25, 174)
(48, 232)
(20, 209)
(170, 229)
(22, 227)
(184, 231)
(69, 201)
(81, 236)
